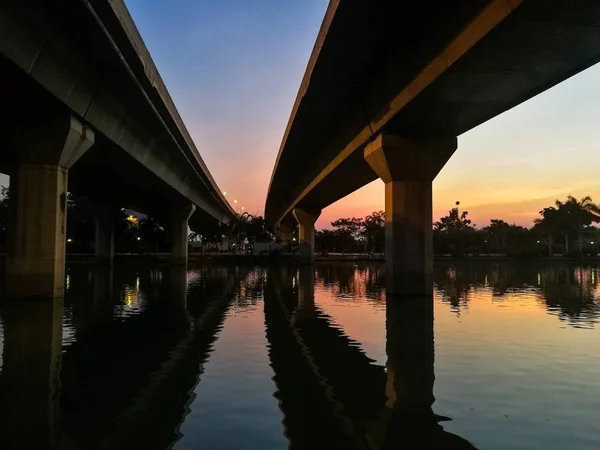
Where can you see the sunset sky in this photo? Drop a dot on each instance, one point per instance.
(233, 68)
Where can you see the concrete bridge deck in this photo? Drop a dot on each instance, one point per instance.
(389, 87)
(87, 111)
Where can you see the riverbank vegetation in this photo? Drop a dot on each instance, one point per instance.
(565, 228)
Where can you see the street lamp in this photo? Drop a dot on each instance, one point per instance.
(224, 193)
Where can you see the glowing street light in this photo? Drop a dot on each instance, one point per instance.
(139, 238)
(224, 193)
(71, 240)
(235, 201)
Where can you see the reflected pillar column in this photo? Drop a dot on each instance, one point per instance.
(408, 167)
(306, 293)
(410, 370)
(103, 294)
(29, 382)
(177, 287)
(306, 233)
(411, 422)
(47, 148)
(179, 233)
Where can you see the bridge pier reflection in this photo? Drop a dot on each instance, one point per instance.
(29, 381)
(177, 287)
(327, 385)
(306, 293)
(410, 420)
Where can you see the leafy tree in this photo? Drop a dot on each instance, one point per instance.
(80, 223)
(571, 217)
(579, 214)
(549, 226)
(373, 231)
(454, 233)
(497, 234)
(348, 232)
(152, 235)
(325, 241)
(454, 221)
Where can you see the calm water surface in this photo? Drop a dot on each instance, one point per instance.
(503, 357)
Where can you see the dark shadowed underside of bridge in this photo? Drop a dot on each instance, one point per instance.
(86, 58)
(418, 68)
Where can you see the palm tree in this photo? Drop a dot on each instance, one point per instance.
(581, 214)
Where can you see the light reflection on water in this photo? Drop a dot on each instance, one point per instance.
(504, 357)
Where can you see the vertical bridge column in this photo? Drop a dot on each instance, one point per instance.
(179, 233)
(306, 233)
(408, 167)
(105, 234)
(38, 203)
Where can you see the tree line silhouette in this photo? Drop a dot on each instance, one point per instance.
(563, 228)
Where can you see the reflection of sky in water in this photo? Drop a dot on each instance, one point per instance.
(516, 363)
(515, 355)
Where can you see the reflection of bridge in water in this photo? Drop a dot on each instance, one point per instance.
(125, 382)
(332, 394)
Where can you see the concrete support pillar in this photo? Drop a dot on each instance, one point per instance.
(408, 167)
(105, 235)
(306, 233)
(179, 233)
(38, 190)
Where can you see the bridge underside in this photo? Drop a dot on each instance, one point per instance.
(389, 87)
(372, 74)
(86, 111)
